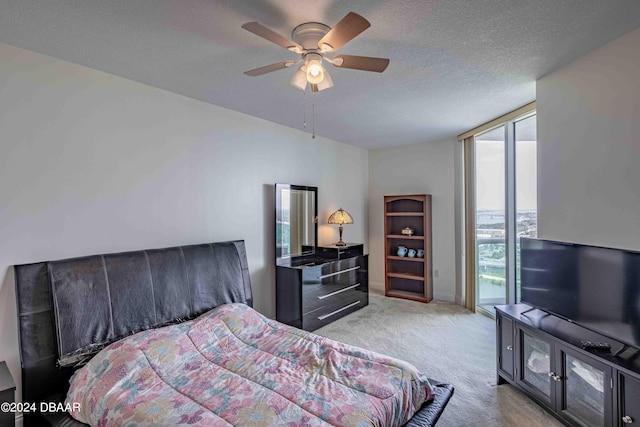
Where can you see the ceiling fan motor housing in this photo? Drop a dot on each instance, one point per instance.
(309, 34)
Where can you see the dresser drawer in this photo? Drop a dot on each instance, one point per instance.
(341, 252)
(348, 302)
(335, 270)
(312, 295)
(331, 295)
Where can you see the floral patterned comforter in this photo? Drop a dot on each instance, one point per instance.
(233, 366)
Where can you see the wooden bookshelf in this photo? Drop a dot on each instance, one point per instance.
(406, 277)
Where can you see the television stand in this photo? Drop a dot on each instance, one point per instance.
(524, 313)
(635, 353)
(543, 357)
(620, 350)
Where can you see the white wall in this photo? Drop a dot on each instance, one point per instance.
(93, 163)
(428, 168)
(589, 148)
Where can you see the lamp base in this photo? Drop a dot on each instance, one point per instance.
(341, 243)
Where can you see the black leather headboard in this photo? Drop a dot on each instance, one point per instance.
(73, 307)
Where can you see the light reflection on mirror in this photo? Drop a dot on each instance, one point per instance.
(295, 220)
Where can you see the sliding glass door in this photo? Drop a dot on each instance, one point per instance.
(491, 269)
(505, 208)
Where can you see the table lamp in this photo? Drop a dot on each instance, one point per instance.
(340, 217)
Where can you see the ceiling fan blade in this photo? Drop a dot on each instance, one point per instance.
(269, 68)
(268, 34)
(344, 31)
(364, 63)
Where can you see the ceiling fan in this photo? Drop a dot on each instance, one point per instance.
(313, 41)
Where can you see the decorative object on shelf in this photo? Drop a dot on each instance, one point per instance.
(340, 217)
(420, 253)
(408, 231)
(402, 251)
(411, 253)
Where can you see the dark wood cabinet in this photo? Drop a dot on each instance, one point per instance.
(505, 347)
(585, 388)
(629, 400)
(533, 362)
(581, 387)
(313, 292)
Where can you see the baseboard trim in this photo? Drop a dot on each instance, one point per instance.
(459, 300)
(377, 287)
(443, 297)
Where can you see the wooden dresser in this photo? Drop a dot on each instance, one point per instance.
(312, 292)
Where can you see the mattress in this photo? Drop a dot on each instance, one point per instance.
(233, 366)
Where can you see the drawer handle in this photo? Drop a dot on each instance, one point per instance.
(339, 291)
(627, 419)
(338, 272)
(324, 316)
(510, 347)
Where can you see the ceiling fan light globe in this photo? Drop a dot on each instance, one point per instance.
(315, 72)
(299, 79)
(326, 83)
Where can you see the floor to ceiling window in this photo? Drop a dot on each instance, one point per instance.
(491, 224)
(502, 185)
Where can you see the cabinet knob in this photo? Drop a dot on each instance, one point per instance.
(627, 419)
(509, 347)
(555, 377)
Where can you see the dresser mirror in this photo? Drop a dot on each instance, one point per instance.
(296, 222)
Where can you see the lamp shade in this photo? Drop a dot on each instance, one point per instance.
(324, 84)
(299, 78)
(340, 217)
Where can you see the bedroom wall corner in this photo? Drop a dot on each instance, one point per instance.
(427, 168)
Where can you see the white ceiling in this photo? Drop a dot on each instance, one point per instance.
(454, 63)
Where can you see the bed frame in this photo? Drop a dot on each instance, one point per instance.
(102, 298)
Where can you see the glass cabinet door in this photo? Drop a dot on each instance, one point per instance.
(535, 365)
(585, 387)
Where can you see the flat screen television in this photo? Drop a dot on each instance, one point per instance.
(595, 287)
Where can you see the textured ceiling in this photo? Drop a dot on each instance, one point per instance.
(454, 63)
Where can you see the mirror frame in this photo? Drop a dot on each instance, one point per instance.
(280, 260)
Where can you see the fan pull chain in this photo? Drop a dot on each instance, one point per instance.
(313, 114)
(304, 122)
(313, 118)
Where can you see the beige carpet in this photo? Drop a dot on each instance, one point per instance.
(449, 344)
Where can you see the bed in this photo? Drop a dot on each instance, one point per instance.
(69, 310)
